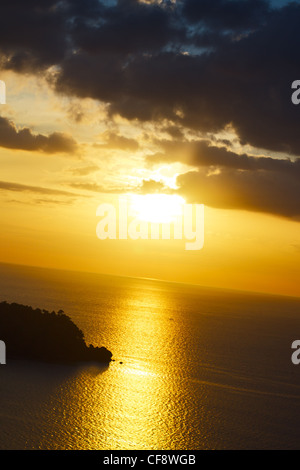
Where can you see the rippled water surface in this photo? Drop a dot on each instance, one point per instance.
(194, 368)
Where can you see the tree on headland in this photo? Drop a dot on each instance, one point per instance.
(45, 336)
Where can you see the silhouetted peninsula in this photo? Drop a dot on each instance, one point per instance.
(43, 336)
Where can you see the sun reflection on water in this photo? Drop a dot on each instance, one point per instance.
(134, 403)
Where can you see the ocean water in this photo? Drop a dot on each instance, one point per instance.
(194, 368)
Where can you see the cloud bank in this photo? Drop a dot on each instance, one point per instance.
(25, 139)
(198, 65)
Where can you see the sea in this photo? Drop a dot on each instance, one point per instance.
(193, 367)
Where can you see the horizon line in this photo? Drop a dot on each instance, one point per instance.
(241, 291)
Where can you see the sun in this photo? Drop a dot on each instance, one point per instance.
(156, 208)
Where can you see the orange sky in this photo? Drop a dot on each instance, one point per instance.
(48, 202)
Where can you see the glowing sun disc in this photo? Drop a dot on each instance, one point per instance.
(157, 208)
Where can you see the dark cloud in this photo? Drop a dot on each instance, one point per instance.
(114, 140)
(130, 55)
(200, 65)
(228, 180)
(203, 154)
(128, 28)
(147, 187)
(99, 188)
(207, 155)
(233, 86)
(16, 187)
(32, 34)
(230, 15)
(174, 132)
(86, 186)
(24, 139)
(261, 191)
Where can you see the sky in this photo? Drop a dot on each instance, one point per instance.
(188, 100)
